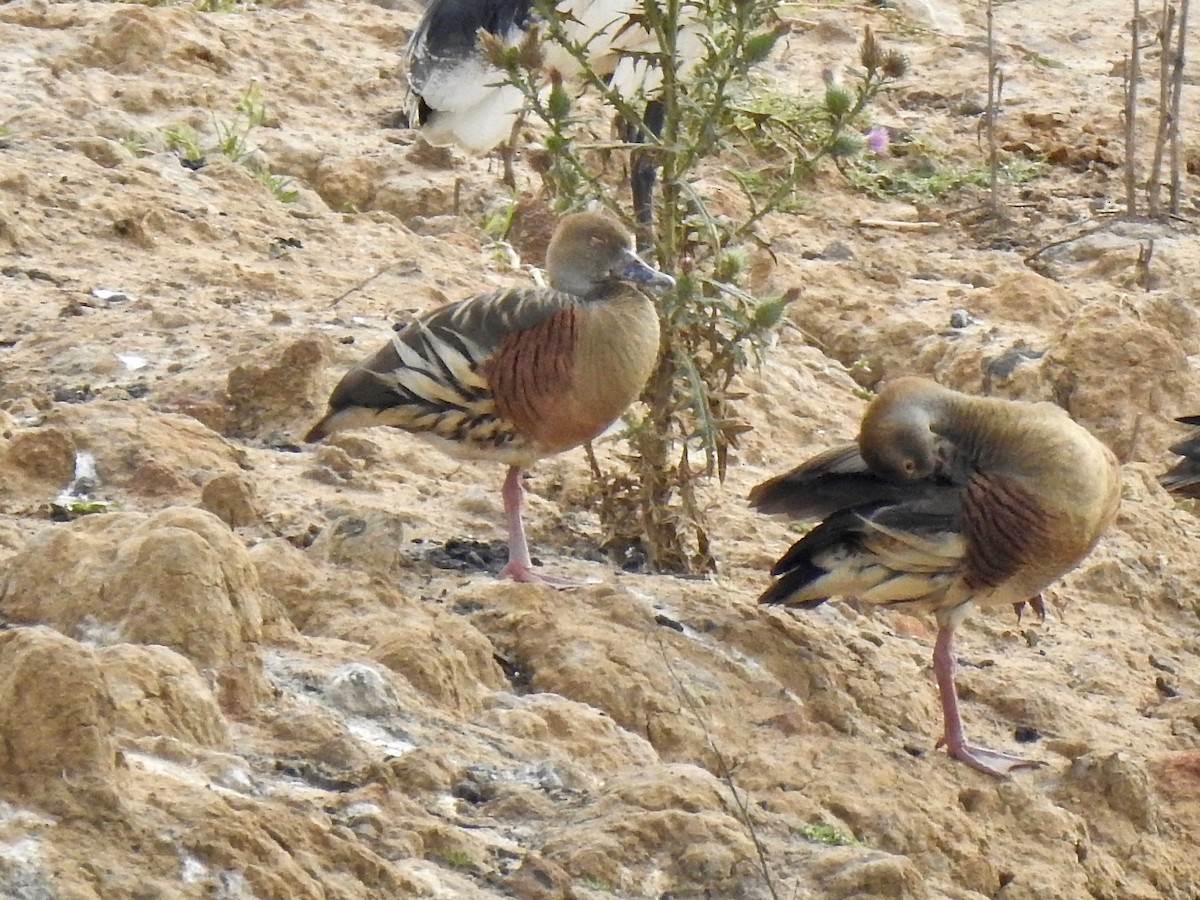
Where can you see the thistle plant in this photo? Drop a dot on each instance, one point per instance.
(724, 118)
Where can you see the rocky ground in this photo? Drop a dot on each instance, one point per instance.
(272, 671)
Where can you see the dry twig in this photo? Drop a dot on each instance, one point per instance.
(724, 771)
(1132, 74)
(900, 225)
(993, 100)
(1177, 92)
(1165, 121)
(1143, 277)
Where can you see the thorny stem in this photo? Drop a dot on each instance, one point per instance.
(709, 326)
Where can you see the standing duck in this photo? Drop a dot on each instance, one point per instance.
(945, 502)
(519, 374)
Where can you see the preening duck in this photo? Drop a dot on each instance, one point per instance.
(945, 502)
(520, 374)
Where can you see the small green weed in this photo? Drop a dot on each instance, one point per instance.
(233, 138)
(223, 6)
(760, 184)
(919, 169)
(1040, 59)
(137, 144)
(184, 141)
(458, 859)
(233, 142)
(826, 834)
(499, 220)
(65, 509)
(281, 186)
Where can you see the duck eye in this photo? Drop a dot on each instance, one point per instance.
(910, 467)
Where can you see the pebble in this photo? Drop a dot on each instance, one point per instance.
(110, 296)
(1026, 734)
(361, 689)
(960, 318)
(1163, 664)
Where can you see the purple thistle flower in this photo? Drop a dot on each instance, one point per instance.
(877, 140)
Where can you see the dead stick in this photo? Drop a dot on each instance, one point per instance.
(993, 99)
(1132, 73)
(1177, 92)
(898, 225)
(1154, 182)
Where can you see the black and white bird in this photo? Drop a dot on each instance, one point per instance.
(456, 96)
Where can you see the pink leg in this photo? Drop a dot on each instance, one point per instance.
(519, 566)
(990, 762)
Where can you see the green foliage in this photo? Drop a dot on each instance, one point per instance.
(281, 187)
(826, 834)
(1040, 59)
(233, 138)
(136, 143)
(233, 142)
(458, 859)
(595, 883)
(716, 114)
(183, 141)
(70, 507)
(918, 169)
(499, 219)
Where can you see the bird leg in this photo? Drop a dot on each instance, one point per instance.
(519, 566)
(643, 173)
(990, 762)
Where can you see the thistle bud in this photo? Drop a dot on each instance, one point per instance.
(493, 49)
(768, 313)
(529, 51)
(838, 101)
(759, 46)
(845, 146)
(870, 53)
(559, 101)
(895, 64)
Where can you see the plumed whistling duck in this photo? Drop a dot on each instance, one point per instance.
(520, 374)
(945, 502)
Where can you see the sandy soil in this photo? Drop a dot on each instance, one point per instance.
(255, 675)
